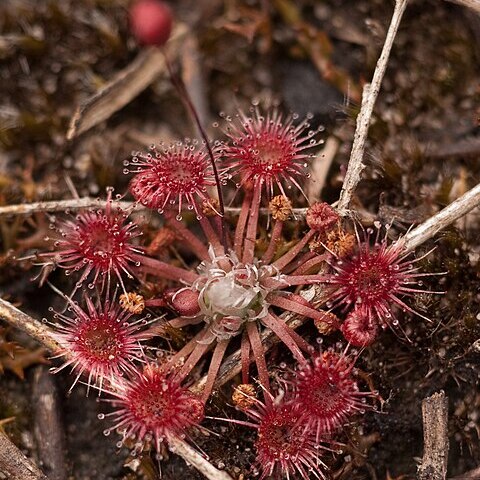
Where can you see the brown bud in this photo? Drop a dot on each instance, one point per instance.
(211, 207)
(132, 302)
(244, 395)
(340, 243)
(280, 208)
(164, 238)
(329, 323)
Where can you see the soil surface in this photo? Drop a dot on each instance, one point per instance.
(306, 56)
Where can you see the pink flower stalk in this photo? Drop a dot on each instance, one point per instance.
(98, 242)
(285, 446)
(172, 175)
(154, 406)
(268, 149)
(369, 283)
(327, 392)
(99, 342)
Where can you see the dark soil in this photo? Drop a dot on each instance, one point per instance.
(423, 152)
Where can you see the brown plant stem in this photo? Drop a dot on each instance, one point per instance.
(369, 97)
(442, 219)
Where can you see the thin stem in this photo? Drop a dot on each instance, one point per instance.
(185, 96)
(293, 252)
(193, 359)
(289, 303)
(87, 202)
(242, 221)
(252, 225)
(280, 330)
(215, 363)
(369, 97)
(245, 357)
(195, 245)
(306, 266)
(259, 356)
(164, 270)
(274, 238)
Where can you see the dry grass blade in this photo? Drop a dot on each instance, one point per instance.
(126, 85)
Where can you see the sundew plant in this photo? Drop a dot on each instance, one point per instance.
(211, 299)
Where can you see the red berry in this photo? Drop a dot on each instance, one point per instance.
(151, 22)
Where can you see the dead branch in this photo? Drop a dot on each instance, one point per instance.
(29, 325)
(442, 219)
(47, 425)
(192, 457)
(369, 97)
(435, 438)
(14, 464)
(124, 87)
(87, 202)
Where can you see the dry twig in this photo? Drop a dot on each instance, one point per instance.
(122, 89)
(14, 464)
(369, 97)
(192, 457)
(29, 325)
(435, 438)
(88, 202)
(442, 219)
(48, 427)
